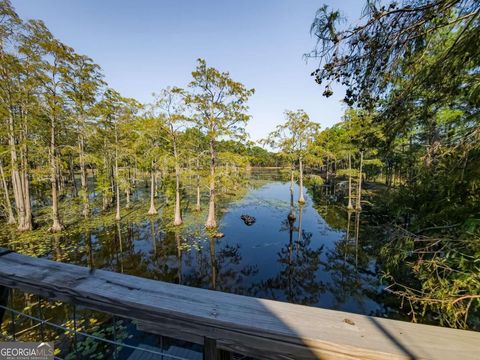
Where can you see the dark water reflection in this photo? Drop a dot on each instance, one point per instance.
(305, 261)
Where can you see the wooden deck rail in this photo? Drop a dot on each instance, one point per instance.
(261, 328)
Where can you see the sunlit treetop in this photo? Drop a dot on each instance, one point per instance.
(294, 135)
(220, 103)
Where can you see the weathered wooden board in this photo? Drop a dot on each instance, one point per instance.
(263, 328)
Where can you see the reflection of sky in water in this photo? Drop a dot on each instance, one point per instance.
(269, 259)
(261, 246)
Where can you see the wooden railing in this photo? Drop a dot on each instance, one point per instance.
(231, 323)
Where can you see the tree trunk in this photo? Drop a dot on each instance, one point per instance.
(128, 189)
(292, 168)
(26, 198)
(105, 193)
(56, 225)
(350, 206)
(24, 174)
(349, 214)
(22, 219)
(211, 222)
(83, 178)
(328, 161)
(301, 199)
(127, 196)
(135, 174)
(178, 216)
(116, 180)
(291, 215)
(60, 180)
(359, 195)
(111, 173)
(152, 210)
(72, 177)
(198, 206)
(8, 204)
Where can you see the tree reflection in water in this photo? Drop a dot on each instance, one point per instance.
(322, 258)
(218, 268)
(347, 263)
(90, 251)
(296, 282)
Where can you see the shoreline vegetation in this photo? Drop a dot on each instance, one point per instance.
(402, 164)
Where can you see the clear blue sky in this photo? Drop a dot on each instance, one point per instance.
(145, 45)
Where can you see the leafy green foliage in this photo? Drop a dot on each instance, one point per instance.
(412, 71)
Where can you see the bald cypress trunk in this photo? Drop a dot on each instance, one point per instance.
(23, 223)
(116, 180)
(291, 215)
(152, 210)
(211, 223)
(292, 167)
(198, 206)
(178, 216)
(301, 199)
(127, 196)
(350, 206)
(359, 195)
(56, 224)
(83, 177)
(105, 192)
(24, 173)
(72, 177)
(8, 204)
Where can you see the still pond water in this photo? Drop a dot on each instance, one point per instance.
(320, 258)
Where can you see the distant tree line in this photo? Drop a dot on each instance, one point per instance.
(60, 122)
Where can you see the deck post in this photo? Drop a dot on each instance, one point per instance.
(209, 349)
(4, 292)
(225, 355)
